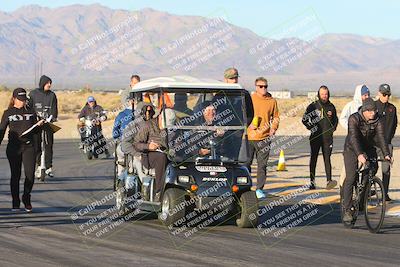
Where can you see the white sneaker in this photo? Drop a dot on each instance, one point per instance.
(49, 172)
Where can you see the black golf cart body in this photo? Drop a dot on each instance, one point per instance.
(195, 181)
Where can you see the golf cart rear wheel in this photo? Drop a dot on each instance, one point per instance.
(248, 207)
(173, 208)
(115, 173)
(120, 197)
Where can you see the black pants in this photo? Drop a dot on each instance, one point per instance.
(327, 146)
(385, 165)
(261, 149)
(48, 148)
(24, 154)
(157, 161)
(351, 166)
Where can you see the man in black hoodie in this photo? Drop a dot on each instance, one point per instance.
(388, 114)
(44, 103)
(321, 119)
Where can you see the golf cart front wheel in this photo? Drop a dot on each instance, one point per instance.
(248, 207)
(173, 208)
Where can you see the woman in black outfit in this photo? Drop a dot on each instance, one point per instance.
(20, 149)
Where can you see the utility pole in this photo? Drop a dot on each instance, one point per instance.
(41, 67)
(35, 73)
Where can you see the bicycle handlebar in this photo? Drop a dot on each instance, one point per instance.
(366, 166)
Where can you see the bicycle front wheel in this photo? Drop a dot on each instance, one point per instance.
(375, 205)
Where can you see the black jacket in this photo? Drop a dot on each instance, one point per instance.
(18, 121)
(44, 103)
(321, 119)
(388, 114)
(363, 136)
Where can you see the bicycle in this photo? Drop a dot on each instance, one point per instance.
(368, 196)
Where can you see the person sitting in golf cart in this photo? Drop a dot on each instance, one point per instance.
(150, 142)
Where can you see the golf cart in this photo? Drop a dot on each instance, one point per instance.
(205, 131)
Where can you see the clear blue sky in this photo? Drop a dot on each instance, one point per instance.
(368, 17)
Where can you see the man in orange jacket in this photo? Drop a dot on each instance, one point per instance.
(263, 127)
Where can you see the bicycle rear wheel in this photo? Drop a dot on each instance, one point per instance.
(375, 205)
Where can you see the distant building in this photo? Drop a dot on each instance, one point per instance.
(281, 94)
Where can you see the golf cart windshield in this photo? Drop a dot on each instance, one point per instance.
(204, 126)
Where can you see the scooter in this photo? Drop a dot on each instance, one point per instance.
(41, 169)
(92, 135)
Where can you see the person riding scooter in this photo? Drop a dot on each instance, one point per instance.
(96, 115)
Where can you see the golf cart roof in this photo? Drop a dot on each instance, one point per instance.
(183, 82)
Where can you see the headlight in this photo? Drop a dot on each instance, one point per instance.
(242, 180)
(183, 179)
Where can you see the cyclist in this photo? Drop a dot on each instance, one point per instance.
(365, 131)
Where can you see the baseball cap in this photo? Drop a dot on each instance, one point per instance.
(91, 99)
(20, 94)
(385, 89)
(368, 105)
(231, 73)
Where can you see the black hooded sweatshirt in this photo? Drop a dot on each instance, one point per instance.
(388, 115)
(323, 117)
(44, 103)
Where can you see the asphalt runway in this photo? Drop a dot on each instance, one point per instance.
(54, 235)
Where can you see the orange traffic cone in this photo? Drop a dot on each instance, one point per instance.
(281, 162)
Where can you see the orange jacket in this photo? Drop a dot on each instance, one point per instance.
(266, 109)
(168, 102)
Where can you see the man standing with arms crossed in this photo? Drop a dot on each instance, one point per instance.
(321, 119)
(388, 114)
(264, 125)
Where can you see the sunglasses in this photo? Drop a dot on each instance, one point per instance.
(262, 86)
(385, 95)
